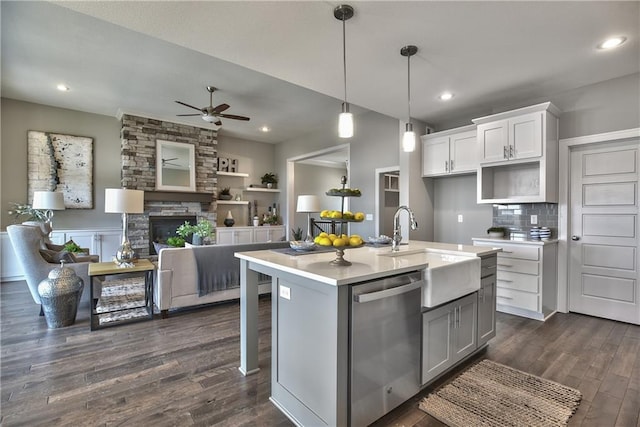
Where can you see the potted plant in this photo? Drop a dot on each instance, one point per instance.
(271, 220)
(27, 211)
(202, 230)
(496, 232)
(225, 194)
(269, 179)
(175, 241)
(297, 233)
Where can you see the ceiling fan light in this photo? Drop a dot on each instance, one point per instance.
(409, 139)
(209, 119)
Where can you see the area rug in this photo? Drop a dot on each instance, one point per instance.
(491, 394)
(121, 299)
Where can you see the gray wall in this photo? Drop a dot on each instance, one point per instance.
(19, 117)
(374, 145)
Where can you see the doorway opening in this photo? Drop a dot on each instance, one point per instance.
(387, 198)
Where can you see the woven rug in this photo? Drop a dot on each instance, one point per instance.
(491, 394)
(121, 299)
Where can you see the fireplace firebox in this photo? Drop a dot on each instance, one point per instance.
(163, 227)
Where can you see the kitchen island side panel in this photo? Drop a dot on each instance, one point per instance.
(309, 350)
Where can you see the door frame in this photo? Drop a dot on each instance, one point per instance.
(565, 147)
(378, 192)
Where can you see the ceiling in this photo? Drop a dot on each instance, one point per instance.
(280, 63)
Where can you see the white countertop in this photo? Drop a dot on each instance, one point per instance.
(523, 241)
(366, 263)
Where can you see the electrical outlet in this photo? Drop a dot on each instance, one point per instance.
(285, 292)
(460, 218)
(534, 219)
(369, 217)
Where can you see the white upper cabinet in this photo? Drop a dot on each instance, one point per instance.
(452, 151)
(519, 155)
(515, 135)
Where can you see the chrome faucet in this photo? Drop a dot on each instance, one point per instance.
(397, 235)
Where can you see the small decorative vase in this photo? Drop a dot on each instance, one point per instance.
(59, 294)
(229, 221)
(196, 240)
(269, 185)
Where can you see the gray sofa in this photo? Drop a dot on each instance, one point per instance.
(182, 273)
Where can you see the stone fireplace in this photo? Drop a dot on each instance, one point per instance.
(161, 227)
(138, 153)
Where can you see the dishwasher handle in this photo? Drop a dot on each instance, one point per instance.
(386, 293)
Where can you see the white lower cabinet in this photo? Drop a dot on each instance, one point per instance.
(104, 243)
(487, 309)
(449, 334)
(240, 235)
(526, 277)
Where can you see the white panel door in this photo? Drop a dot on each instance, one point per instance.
(435, 156)
(525, 136)
(603, 244)
(464, 152)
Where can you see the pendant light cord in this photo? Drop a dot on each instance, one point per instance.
(409, 87)
(344, 56)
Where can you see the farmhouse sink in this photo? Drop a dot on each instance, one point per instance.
(449, 277)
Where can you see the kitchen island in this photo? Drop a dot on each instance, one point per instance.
(332, 366)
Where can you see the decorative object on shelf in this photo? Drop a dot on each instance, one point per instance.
(308, 203)
(269, 179)
(175, 166)
(271, 220)
(225, 194)
(124, 201)
(238, 197)
(409, 137)
(496, 232)
(233, 165)
(343, 13)
(59, 294)
(229, 221)
(296, 234)
(256, 221)
(48, 201)
(62, 162)
(302, 245)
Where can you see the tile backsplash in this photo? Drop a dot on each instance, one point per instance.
(517, 217)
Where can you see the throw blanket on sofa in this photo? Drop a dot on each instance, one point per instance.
(218, 269)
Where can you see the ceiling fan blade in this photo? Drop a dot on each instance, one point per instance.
(233, 116)
(188, 115)
(218, 123)
(190, 106)
(220, 108)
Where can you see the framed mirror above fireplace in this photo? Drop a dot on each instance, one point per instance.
(175, 166)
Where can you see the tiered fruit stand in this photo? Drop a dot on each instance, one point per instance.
(342, 193)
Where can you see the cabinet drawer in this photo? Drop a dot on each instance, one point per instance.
(518, 299)
(519, 251)
(518, 281)
(519, 266)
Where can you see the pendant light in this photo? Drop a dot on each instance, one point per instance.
(409, 137)
(345, 120)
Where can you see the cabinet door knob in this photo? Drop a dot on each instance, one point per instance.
(446, 166)
(451, 165)
(505, 154)
(511, 151)
(575, 238)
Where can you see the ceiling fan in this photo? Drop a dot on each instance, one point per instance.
(212, 114)
(168, 162)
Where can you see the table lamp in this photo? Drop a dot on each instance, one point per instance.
(308, 203)
(48, 201)
(121, 200)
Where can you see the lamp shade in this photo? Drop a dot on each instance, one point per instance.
(308, 203)
(51, 200)
(120, 200)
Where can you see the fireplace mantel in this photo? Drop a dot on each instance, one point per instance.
(178, 196)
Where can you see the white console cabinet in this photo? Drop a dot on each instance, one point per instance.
(527, 282)
(240, 235)
(450, 152)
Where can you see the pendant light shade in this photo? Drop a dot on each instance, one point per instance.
(409, 137)
(345, 120)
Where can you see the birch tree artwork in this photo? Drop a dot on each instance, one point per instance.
(63, 163)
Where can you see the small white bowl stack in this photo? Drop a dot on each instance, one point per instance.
(545, 233)
(535, 233)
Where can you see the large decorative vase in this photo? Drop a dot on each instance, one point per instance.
(59, 294)
(229, 221)
(196, 240)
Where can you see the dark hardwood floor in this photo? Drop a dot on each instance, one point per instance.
(183, 371)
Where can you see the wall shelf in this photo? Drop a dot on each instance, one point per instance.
(262, 190)
(238, 174)
(233, 202)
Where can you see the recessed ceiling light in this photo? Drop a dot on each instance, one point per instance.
(264, 129)
(612, 42)
(446, 96)
(62, 87)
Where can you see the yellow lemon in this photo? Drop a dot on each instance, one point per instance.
(359, 216)
(323, 234)
(339, 242)
(317, 239)
(332, 237)
(324, 241)
(355, 241)
(325, 214)
(336, 214)
(356, 235)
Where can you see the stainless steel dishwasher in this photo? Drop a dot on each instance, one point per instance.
(384, 340)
